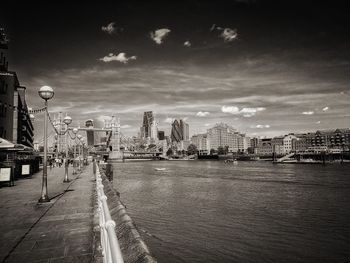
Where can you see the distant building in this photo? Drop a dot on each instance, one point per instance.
(15, 120)
(184, 130)
(299, 143)
(277, 145)
(265, 147)
(161, 135)
(254, 142)
(288, 143)
(146, 128)
(330, 138)
(243, 142)
(201, 141)
(176, 131)
(154, 132)
(223, 135)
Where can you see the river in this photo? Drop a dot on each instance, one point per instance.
(208, 211)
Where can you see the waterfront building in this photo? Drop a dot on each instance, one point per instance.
(221, 135)
(15, 120)
(254, 142)
(265, 147)
(201, 141)
(299, 144)
(277, 145)
(330, 138)
(288, 143)
(243, 142)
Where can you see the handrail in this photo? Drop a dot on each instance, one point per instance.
(109, 242)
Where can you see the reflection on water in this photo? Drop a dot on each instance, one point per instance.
(208, 211)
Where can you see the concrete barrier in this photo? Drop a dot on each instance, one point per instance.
(133, 248)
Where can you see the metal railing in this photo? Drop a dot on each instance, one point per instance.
(109, 242)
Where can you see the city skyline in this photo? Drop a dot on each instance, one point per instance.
(265, 68)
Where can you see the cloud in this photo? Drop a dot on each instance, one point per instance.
(246, 112)
(262, 126)
(187, 44)
(325, 109)
(159, 35)
(318, 122)
(202, 113)
(125, 126)
(207, 124)
(111, 28)
(121, 57)
(228, 34)
(308, 112)
(230, 109)
(169, 120)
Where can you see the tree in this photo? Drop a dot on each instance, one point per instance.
(192, 149)
(212, 151)
(142, 147)
(152, 146)
(169, 152)
(226, 149)
(221, 150)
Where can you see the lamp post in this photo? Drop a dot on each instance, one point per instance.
(75, 131)
(79, 140)
(46, 93)
(67, 120)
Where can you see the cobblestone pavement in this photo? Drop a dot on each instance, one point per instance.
(58, 231)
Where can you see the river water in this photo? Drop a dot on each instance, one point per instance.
(208, 211)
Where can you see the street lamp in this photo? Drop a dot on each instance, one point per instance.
(67, 120)
(79, 140)
(75, 131)
(46, 93)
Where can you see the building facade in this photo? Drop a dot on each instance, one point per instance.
(223, 135)
(176, 132)
(15, 120)
(201, 141)
(338, 138)
(185, 130)
(288, 143)
(146, 128)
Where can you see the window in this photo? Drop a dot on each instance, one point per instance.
(3, 87)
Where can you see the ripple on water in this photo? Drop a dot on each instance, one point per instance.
(251, 212)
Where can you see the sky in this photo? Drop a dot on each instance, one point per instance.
(265, 67)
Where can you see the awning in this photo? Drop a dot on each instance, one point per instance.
(5, 144)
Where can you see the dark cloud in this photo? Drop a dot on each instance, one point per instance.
(290, 57)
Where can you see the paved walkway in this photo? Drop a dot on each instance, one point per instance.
(58, 231)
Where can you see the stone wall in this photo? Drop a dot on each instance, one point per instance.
(133, 248)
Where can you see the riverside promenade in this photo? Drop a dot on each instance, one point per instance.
(58, 231)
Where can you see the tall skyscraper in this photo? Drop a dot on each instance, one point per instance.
(146, 128)
(154, 131)
(185, 130)
(176, 132)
